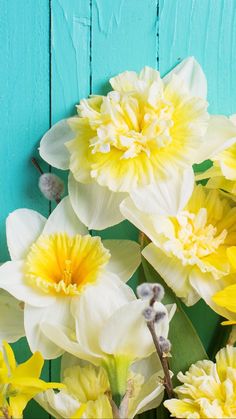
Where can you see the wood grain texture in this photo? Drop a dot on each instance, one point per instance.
(207, 30)
(70, 55)
(24, 116)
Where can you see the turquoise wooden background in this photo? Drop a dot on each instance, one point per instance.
(54, 52)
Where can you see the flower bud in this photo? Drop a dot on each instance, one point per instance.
(158, 292)
(149, 314)
(51, 186)
(145, 291)
(165, 345)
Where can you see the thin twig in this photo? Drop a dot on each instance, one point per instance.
(36, 165)
(115, 410)
(164, 361)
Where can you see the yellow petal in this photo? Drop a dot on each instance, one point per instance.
(31, 368)
(181, 409)
(231, 253)
(226, 298)
(10, 356)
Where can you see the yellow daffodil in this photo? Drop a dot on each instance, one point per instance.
(135, 141)
(20, 383)
(226, 298)
(54, 262)
(111, 337)
(222, 174)
(87, 394)
(208, 389)
(190, 250)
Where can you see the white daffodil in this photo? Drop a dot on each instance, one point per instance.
(144, 135)
(88, 394)
(110, 336)
(190, 250)
(11, 318)
(222, 174)
(55, 262)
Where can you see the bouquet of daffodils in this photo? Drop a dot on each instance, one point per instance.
(124, 351)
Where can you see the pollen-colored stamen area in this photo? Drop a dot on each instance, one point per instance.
(195, 236)
(60, 264)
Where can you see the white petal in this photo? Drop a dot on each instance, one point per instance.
(190, 71)
(11, 318)
(150, 224)
(206, 286)
(126, 332)
(63, 219)
(220, 134)
(95, 205)
(12, 281)
(64, 338)
(173, 272)
(125, 257)
(95, 306)
(23, 227)
(58, 314)
(150, 396)
(59, 405)
(52, 146)
(166, 196)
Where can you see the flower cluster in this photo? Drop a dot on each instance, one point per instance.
(130, 155)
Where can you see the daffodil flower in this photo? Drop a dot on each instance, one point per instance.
(144, 135)
(222, 174)
(110, 336)
(87, 394)
(226, 297)
(20, 383)
(11, 318)
(190, 250)
(208, 389)
(55, 262)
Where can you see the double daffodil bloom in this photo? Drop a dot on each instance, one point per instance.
(20, 383)
(87, 394)
(54, 262)
(190, 250)
(208, 389)
(146, 133)
(222, 174)
(110, 336)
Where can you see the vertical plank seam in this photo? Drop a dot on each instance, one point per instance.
(90, 58)
(157, 33)
(90, 47)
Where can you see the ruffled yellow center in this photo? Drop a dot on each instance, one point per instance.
(195, 237)
(59, 264)
(129, 125)
(208, 389)
(134, 134)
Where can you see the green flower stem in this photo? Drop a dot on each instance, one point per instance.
(117, 368)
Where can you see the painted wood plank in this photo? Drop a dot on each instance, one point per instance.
(207, 30)
(24, 101)
(124, 37)
(70, 62)
(70, 70)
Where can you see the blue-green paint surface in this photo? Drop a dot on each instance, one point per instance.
(54, 52)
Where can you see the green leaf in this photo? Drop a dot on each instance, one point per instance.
(187, 347)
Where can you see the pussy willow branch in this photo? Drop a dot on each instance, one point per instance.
(38, 168)
(164, 361)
